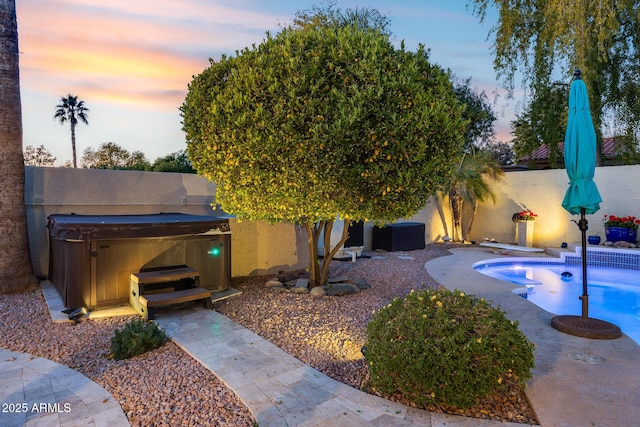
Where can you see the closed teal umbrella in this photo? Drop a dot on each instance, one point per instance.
(580, 153)
(582, 198)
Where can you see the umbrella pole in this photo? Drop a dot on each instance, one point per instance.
(584, 326)
(583, 225)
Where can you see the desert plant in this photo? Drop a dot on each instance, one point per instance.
(136, 337)
(445, 348)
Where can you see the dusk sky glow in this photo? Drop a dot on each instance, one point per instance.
(131, 61)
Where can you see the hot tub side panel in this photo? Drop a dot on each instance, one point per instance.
(116, 260)
(70, 271)
(96, 274)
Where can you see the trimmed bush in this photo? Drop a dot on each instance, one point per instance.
(136, 337)
(445, 348)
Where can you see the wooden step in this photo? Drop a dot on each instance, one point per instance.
(177, 297)
(159, 276)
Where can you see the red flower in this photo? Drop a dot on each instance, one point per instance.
(525, 215)
(621, 221)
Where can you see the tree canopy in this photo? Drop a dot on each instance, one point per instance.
(174, 162)
(478, 113)
(468, 184)
(330, 15)
(112, 156)
(71, 110)
(38, 156)
(543, 39)
(543, 121)
(322, 122)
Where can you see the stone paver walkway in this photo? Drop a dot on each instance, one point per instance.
(279, 389)
(41, 393)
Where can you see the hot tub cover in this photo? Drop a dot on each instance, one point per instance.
(103, 227)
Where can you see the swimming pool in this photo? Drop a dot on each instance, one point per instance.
(614, 294)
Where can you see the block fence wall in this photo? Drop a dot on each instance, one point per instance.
(259, 248)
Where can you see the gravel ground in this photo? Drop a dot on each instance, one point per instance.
(327, 333)
(176, 391)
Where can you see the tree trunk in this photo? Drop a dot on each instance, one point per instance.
(467, 230)
(73, 143)
(313, 233)
(456, 212)
(443, 218)
(16, 272)
(319, 274)
(330, 254)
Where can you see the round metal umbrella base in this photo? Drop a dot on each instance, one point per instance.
(586, 328)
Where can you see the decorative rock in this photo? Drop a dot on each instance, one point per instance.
(623, 244)
(290, 283)
(341, 289)
(340, 279)
(318, 291)
(289, 277)
(301, 286)
(302, 283)
(361, 283)
(273, 283)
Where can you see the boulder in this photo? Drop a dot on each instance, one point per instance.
(361, 284)
(342, 289)
(318, 291)
(301, 286)
(302, 283)
(273, 283)
(289, 277)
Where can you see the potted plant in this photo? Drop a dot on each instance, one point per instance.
(621, 228)
(524, 227)
(594, 239)
(525, 215)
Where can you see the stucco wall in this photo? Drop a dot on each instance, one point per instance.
(259, 248)
(542, 192)
(104, 192)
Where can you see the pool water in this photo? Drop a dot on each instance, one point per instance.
(614, 294)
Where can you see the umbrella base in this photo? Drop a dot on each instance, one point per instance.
(586, 328)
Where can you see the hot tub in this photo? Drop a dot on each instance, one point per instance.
(91, 257)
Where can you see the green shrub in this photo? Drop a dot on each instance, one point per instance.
(136, 337)
(445, 348)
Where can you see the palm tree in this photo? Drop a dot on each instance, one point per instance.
(469, 184)
(70, 109)
(16, 272)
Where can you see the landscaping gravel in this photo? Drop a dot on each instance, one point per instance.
(166, 387)
(328, 332)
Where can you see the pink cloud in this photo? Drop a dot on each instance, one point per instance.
(134, 52)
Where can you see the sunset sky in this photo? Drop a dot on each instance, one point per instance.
(131, 61)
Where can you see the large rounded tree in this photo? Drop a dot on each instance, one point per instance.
(323, 122)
